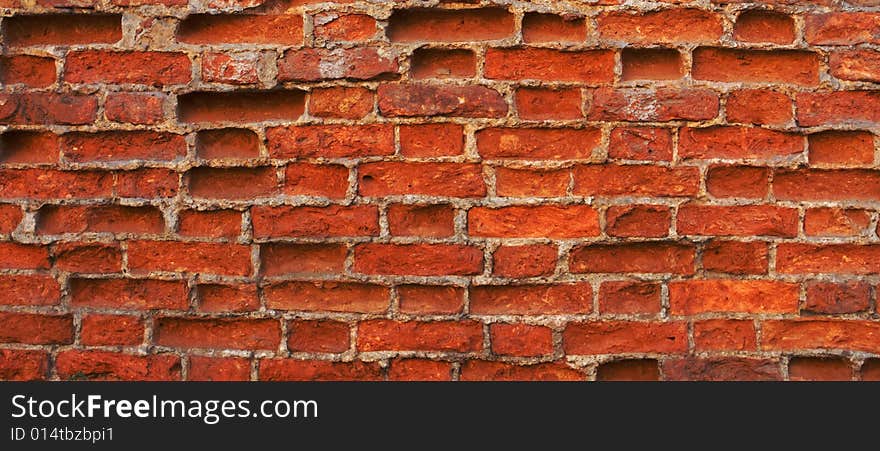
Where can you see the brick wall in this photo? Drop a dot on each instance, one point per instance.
(475, 190)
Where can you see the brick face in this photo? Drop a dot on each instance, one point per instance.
(446, 190)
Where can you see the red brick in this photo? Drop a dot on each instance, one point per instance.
(766, 26)
(537, 143)
(587, 66)
(817, 184)
(47, 108)
(521, 340)
(627, 297)
(796, 258)
(33, 71)
(232, 183)
(871, 370)
(736, 257)
(136, 294)
(721, 369)
(231, 68)
(318, 336)
(549, 103)
(635, 180)
(327, 296)
(738, 143)
(304, 179)
(211, 258)
(629, 370)
(346, 27)
(641, 143)
(227, 143)
(759, 106)
(531, 299)
(330, 141)
(35, 329)
(484, 24)
(218, 369)
(819, 369)
(431, 140)
(149, 68)
(388, 335)
(569, 221)
(110, 330)
(23, 256)
(241, 29)
(209, 224)
(112, 366)
(228, 298)
(29, 290)
(652, 257)
(359, 63)
(224, 333)
(419, 370)
(805, 334)
(332, 221)
(653, 105)
(418, 259)
(622, 337)
(420, 99)
(421, 220)
(479, 370)
(856, 65)
(668, 26)
(850, 148)
(10, 217)
(87, 257)
(751, 66)
(837, 298)
(416, 299)
(147, 183)
(511, 182)
(725, 335)
(738, 181)
(141, 108)
(429, 179)
(318, 370)
(744, 220)
(122, 146)
(742, 296)
(19, 365)
(553, 28)
(443, 63)
(638, 220)
(241, 106)
(836, 222)
(286, 258)
(845, 108)
(530, 260)
(117, 219)
(842, 28)
(29, 147)
(651, 64)
(62, 29)
(341, 102)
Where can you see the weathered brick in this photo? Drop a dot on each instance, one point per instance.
(556, 299)
(622, 337)
(418, 259)
(573, 221)
(327, 297)
(651, 257)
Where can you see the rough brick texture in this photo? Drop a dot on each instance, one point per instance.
(439, 190)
